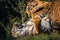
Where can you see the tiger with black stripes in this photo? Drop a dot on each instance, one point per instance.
(35, 8)
(27, 28)
(53, 13)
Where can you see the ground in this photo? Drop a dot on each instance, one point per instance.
(52, 36)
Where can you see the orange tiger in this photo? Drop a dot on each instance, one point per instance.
(53, 13)
(38, 7)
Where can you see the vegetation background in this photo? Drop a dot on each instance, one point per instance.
(15, 10)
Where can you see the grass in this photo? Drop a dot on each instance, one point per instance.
(42, 36)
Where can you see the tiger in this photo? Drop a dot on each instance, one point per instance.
(35, 8)
(24, 29)
(53, 13)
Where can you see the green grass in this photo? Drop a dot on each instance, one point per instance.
(42, 36)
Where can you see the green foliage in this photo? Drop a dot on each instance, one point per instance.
(10, 12)
(42, 36)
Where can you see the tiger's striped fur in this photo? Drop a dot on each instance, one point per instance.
(54, 14)
(54, 11)
(44, 6)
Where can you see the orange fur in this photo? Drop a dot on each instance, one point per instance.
(54, 13)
